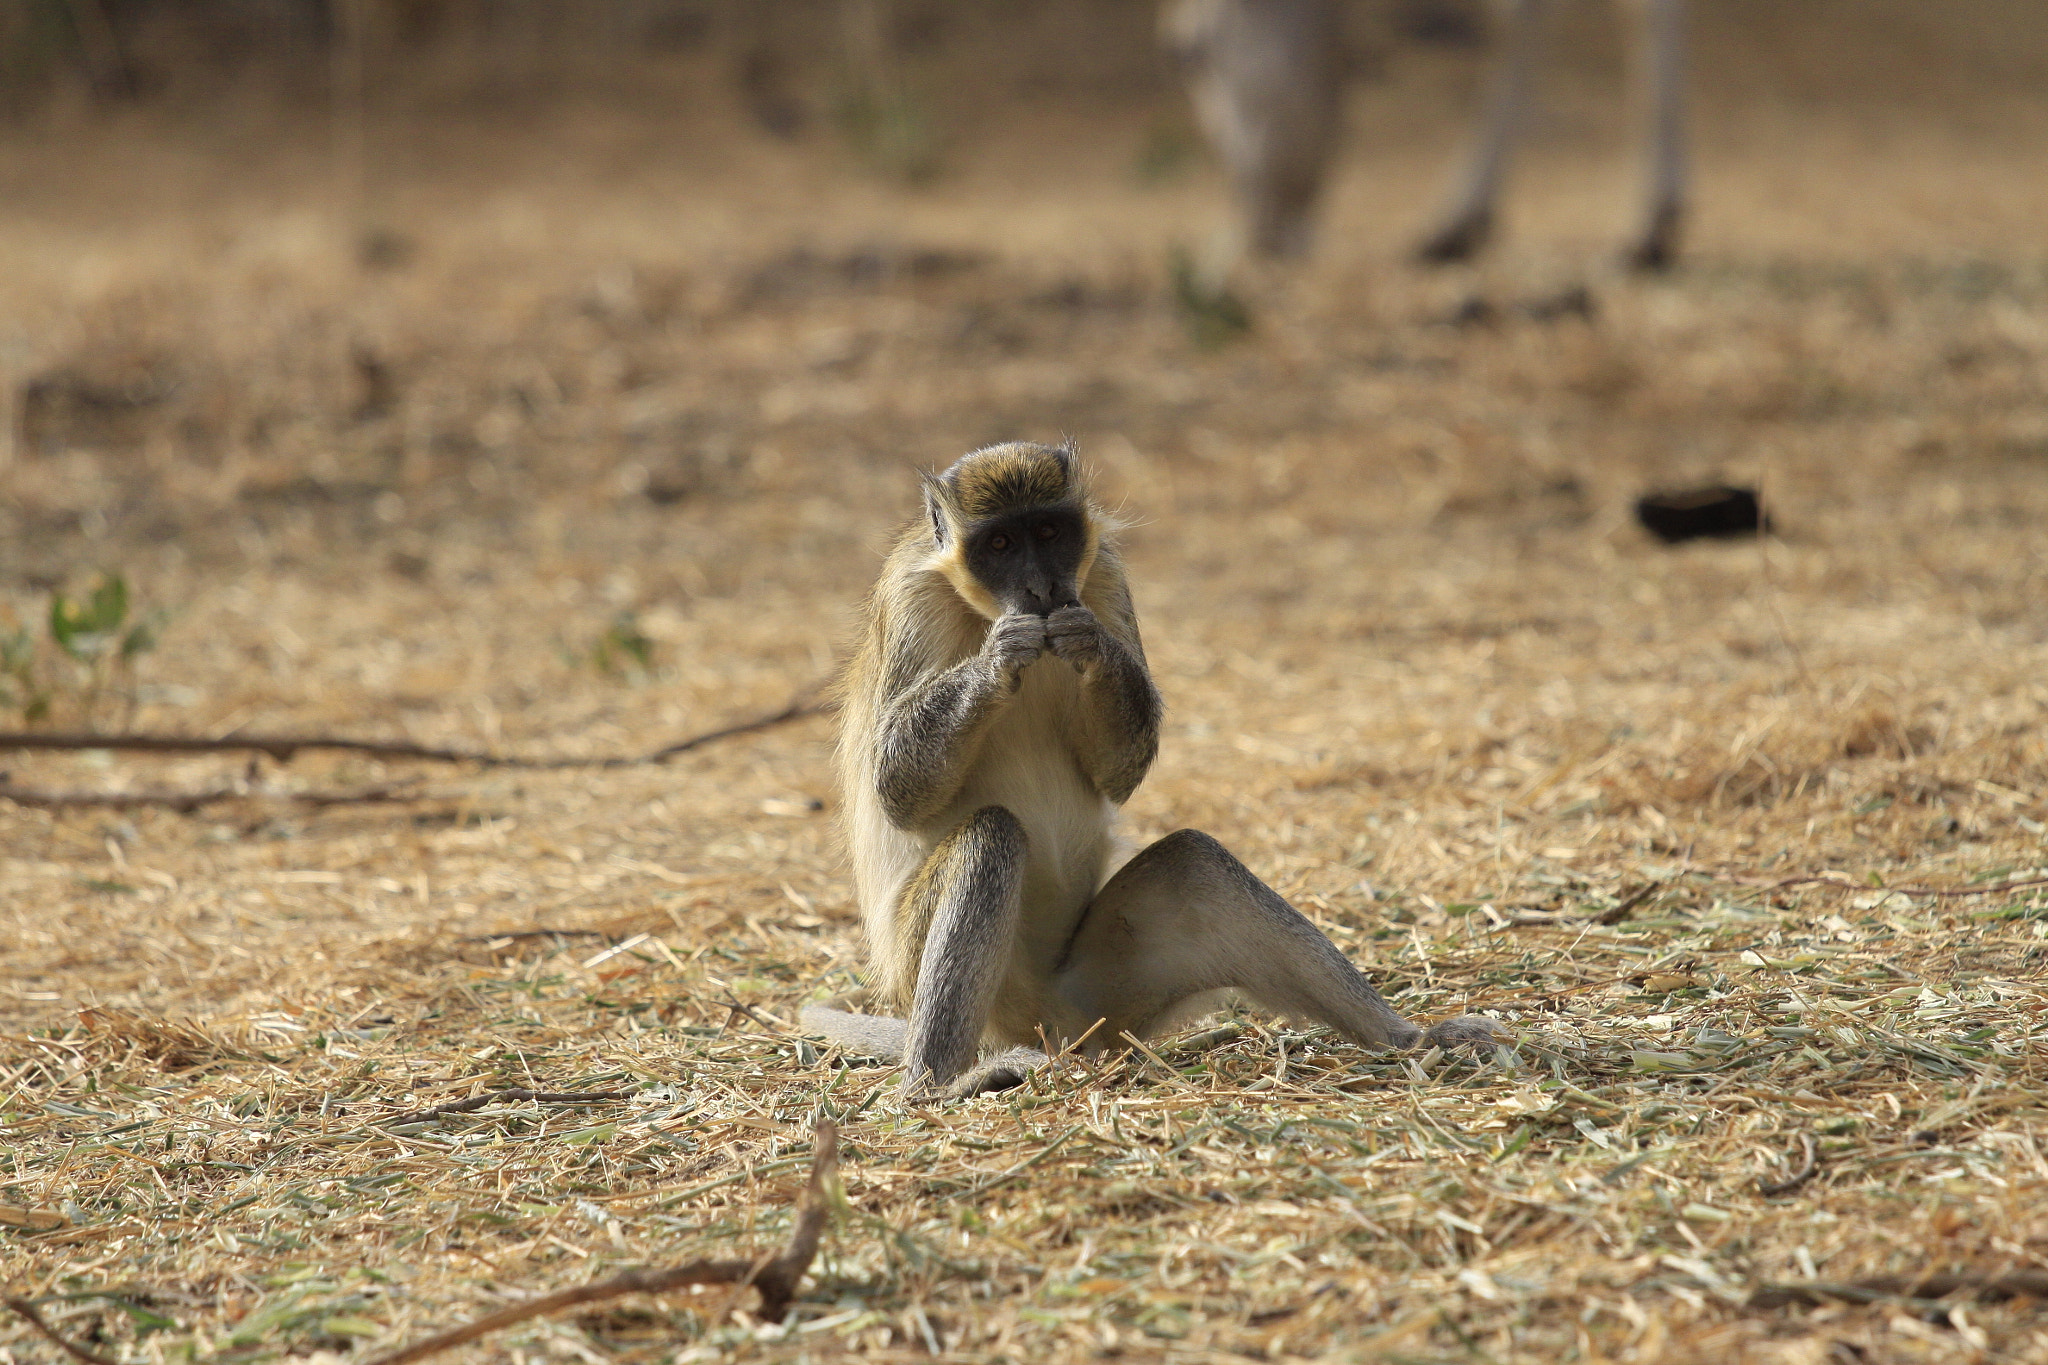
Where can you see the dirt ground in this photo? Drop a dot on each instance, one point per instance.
(574, 427)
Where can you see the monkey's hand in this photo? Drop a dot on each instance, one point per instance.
(1076, 636)
(1014, 642)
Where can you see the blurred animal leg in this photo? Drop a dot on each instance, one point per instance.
(1661, 63)
(1468, 222)
(1184, 918)
(964, 903)
(1267, 81)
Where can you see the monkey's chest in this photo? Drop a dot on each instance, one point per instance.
(1028, 766)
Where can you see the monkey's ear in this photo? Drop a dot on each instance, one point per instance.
(1069, 457)
(938, 503)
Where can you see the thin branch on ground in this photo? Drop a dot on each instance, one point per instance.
(736, 1008)
(1623, 908)
(35, 1320)
(1985, 1288)
(185, 802)
(283, 747)
(534, 933)
(799, 709)
(1837, 880)
(775, 1278)
(513, 1096)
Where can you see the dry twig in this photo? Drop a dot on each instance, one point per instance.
(2013, 1284)
(1627, 904)
(283, 747)
(515, 1095)
(185, 802)
(1827, 879)
(511, 934)
(35, 1320)
(775, 1277)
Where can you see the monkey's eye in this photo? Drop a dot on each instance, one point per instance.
(999, 542)
(1046, 530)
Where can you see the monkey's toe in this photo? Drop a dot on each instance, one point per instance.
(1467, 1030)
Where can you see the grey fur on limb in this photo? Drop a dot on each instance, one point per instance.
(1659, 72)
(1179, 924)
(878, 1036)
(1266, 79)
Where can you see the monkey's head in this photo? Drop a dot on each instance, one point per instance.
(1012, 528)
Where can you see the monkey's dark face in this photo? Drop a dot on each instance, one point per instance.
(1029, 560)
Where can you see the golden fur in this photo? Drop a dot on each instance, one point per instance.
(926, 615)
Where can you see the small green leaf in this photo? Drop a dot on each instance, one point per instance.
(84, 629)
(1516, 1143)
(64, 622)
(109, 604)
(139, 640)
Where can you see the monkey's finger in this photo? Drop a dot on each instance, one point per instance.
(1079, 659)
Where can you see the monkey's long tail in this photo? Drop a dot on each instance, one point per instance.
(871, 1035)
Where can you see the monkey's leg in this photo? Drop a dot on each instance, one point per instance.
(969, 894)
(963, 906)
(875, 1035)
(1185, 917)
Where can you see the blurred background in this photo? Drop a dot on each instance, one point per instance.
(507, 370)
(547, 376)
(410, 247)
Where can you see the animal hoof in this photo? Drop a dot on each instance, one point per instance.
(1458, 240)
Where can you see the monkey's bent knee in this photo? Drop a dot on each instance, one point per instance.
(1190, 845)
(994, 822)
(991, 825)
(991, 834)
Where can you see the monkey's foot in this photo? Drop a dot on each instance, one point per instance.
(1467, 1030)
(1004, 1071)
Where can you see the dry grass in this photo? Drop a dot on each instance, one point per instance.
(1423, 675)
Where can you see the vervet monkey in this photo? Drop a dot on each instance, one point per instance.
(996, 714)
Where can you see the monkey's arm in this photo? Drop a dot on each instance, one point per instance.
(1119, 705)
(931, 732)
